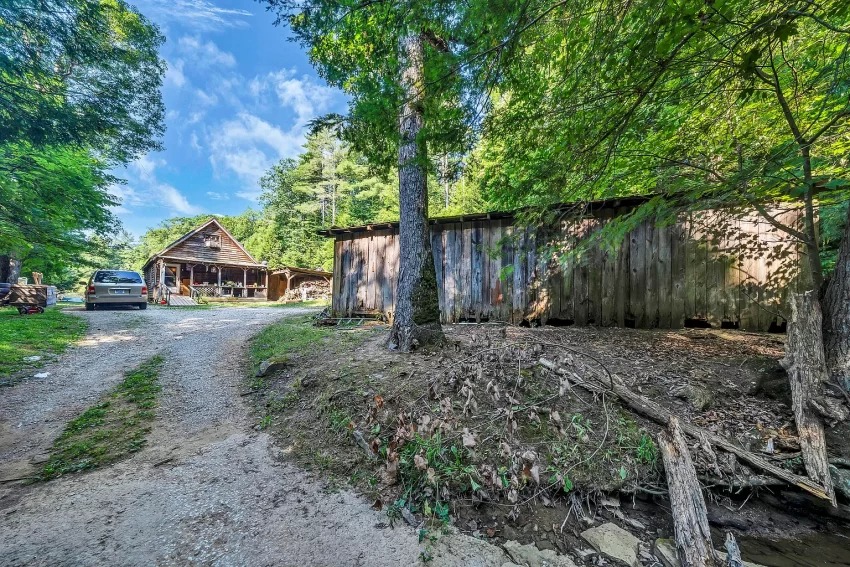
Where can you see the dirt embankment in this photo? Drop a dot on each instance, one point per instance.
(480, 434)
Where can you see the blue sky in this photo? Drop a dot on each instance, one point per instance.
(238, 97)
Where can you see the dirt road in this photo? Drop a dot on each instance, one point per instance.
(227, 496)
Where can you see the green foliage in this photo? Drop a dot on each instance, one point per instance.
(110, 430)
(725, 103)
(80, 84)
(54, 206)
(80, 73)
(444, 464)
(329, 184)
(833, 221)
(42, 335)
(289, 336)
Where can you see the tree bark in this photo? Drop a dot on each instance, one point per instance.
(806, 366)
(10, 269)
(690, 518)
(416, 320)
(733, 552)
(836, 314)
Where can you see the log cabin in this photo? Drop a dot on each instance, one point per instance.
(205, 262)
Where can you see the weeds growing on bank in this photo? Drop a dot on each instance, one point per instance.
(113, 428)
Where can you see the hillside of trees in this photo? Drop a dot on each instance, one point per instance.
(329, 184)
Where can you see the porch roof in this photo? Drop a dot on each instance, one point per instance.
(301, 271)
(197, 262)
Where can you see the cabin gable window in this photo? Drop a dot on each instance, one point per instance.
(212, 241)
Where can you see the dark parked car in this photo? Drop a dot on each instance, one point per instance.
(116, 287)
(5, 288)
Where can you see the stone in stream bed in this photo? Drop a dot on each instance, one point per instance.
(665, 551)
(614, 542)
(533, 557)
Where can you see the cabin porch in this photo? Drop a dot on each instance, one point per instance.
(196, 280)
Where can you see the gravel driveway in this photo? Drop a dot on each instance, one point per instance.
(225, 496)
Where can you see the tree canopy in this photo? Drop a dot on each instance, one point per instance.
(720, 103)
(79, 94)
(80, 72)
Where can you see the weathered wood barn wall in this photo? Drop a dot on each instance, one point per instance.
(709, 268)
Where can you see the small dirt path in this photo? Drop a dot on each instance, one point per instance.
(208, 489)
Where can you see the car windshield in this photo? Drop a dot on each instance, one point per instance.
(115, 276)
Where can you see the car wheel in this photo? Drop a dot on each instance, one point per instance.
(143, 305)
(89, 306)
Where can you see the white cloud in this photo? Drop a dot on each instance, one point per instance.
(175, 200)
(248, 146)
(216, 196)
(127, 198)
(204, 53)
(149, 191)
(205, 99)
(201, 15)
(145, 168)
(174, 74)
(195, 142)
(304, 95)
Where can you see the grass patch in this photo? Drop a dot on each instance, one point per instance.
(290, 336)
(112, 429)
(22, 336)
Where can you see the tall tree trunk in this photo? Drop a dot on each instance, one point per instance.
(836, 315)
(806, 366)
(10, 269)
(417, 309)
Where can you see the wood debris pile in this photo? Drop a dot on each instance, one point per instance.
(308, 291)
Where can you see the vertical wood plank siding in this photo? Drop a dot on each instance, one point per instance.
(708, 267)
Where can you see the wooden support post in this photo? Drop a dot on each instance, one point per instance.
(191, 275)
(218, 270)
(690, 517)
(806, 365)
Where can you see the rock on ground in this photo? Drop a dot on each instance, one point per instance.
(532, 557)
(614, 542)
(665, 551)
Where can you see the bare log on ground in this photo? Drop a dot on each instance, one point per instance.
(804, 360)
(690, 517)
(647, 408)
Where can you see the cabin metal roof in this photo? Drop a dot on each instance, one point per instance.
(301, 271)
(586, 206)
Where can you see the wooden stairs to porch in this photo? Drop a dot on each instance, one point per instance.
(181, 301)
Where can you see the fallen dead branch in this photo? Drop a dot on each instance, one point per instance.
(661, 415)
(690, 517)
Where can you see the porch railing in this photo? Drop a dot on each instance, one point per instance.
(209, 290)
(162, 293)
(199, 291)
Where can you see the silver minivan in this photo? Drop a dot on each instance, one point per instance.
(116, 287)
